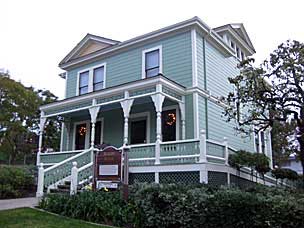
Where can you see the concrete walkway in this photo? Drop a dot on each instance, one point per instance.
(17, 203)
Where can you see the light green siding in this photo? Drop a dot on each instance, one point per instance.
(202, 112)
(189, 116)
(218, 128)
(218, 69)
(127, 66)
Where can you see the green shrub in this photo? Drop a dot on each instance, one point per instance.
(283, 173)
(15, 182)
(177, 206)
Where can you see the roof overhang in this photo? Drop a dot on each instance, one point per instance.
(214, 38)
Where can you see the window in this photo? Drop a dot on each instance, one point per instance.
(232, 45)
(138, 131)
(237, 52)
(83, 82)
(92, 79)
(98, 78)
(152, 62)
(242, 56)
(169, 125)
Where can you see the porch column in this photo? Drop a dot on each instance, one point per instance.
(41, 128)
(158, 100)
(93, 113)
(67, 126)
(126, 107)
(182, 111)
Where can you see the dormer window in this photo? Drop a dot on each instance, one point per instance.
(232, 45)
(92, 79)
(83, 82)
(152, 62)
(238, 53)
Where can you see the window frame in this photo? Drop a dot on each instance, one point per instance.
(159, 48)
(103, 82)
(79, 75)
(91, 78)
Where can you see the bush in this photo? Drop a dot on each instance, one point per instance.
(174, 206)
(15, 182)
(281, 173)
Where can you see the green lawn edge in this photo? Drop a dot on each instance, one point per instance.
(37, 218)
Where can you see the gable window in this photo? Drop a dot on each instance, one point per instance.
(83, 82)
(91, 79)
(152, 62)
(98, 78)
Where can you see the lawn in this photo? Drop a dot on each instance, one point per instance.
(28, 217)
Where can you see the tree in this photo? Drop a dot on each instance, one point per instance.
(271, 93)
(19, 116)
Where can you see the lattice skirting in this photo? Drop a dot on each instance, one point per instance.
(217, 178)
(179, 177)
(241, 182)
(141, 178)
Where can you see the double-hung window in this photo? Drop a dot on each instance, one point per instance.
(84, 82)
(91, 79)
(152, 62)
(98, 78)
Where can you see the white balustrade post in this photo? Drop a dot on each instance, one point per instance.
(41, 129)
(40, 183)
(158, 100)
(226, 150)
(126, 107)
(74, 179)
(203, 147)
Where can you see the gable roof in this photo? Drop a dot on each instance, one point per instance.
(88, 44)
(212, 36)
(238, 31)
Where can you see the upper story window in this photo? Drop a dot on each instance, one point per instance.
(152, 62)
(98, 78)
(83, 82)
(92, 79)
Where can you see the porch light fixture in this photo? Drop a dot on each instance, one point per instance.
(171, 119)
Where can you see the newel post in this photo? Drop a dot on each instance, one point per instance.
(203, 147)
(40, 183)
(74, 179)
(41, 129)
(226, 151)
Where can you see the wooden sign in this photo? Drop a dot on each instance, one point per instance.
(107, 168)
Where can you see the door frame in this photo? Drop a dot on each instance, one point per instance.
(87, 138)
(176, 108)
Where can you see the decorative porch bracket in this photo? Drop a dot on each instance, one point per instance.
(93, 113)
(126, 107)
(158, 100)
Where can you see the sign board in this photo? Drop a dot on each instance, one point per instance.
(107, 168)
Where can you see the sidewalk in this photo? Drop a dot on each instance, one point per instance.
(17, 203)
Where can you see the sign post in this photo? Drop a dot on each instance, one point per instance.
(125, 173)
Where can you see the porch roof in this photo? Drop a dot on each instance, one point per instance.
(111, 95)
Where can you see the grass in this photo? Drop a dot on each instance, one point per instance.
(28, 217)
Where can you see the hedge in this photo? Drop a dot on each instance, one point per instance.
(174, 206)
(15, 182)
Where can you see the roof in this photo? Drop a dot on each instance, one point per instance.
(72, 58)
(238, 31)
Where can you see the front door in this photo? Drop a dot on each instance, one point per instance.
(138, 131)
(80, 139)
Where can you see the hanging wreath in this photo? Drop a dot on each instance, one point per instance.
(171, 119)
(82, 131)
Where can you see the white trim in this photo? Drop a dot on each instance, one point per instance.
(66, 85)
(87, 137)
(177, 126)
(195, 116)
(148, 127)
(61, 136)
(194, 57)
(143, 60)
(91, 77)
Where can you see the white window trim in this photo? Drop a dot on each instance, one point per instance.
(91, 72)
(87, 139)
(148, 127)
(176, 108)
(143, 68)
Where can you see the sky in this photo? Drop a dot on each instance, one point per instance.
(36, 35)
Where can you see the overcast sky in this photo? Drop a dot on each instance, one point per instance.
(36, 35)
